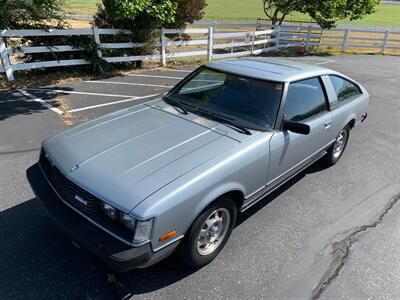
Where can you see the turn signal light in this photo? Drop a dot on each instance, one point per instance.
(167, 236)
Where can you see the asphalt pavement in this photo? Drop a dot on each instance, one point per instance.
(329, 233)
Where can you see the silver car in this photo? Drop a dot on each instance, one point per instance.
(172, 174)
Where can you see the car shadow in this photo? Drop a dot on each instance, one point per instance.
(38, 261)
(142, 281)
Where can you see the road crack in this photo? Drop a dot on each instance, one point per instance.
(341, 249)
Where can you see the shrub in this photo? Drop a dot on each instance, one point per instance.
(32, 14)
(144, 18)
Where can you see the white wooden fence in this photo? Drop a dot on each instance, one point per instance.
(342, 38)
(204, 42)
(166, 48)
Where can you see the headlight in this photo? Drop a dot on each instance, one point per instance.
(143, 230)
(109, 210)
(127, 220)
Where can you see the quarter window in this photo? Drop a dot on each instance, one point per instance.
(305, 99)
(344, 89)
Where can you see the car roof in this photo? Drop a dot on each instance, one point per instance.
(273, 69)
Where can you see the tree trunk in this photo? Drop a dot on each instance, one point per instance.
(281, 19)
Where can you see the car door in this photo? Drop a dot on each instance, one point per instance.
(306, 102)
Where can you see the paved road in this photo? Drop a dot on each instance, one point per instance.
(328, 233)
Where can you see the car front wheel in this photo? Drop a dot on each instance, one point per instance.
(208, 233)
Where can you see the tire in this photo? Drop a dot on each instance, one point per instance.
(203, 242)
(336, 151)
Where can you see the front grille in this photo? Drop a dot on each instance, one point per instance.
(68, 190)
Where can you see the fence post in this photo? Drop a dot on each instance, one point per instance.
(210, 43)
(5, 59)
(252, 42)
(97, 40)
(308, 38)
(385, 40)
(345, 39)
(163, 48)
(277, 37)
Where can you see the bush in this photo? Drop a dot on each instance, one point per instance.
(144, 18)
(32, 14)
(46, 14)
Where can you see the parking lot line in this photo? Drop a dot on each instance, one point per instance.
(328, 61)
(155, 76)
(130, 83)
(39, 100)
(82, 93)
(13, 100)
(112, 103)
(182, 71)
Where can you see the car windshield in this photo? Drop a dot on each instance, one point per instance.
(245, 102)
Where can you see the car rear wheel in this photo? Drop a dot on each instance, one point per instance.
(335, 152)
(209, 233)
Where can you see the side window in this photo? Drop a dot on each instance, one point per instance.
(305, 99)
(344, 89)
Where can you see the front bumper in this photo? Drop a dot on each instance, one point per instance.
(115, 254)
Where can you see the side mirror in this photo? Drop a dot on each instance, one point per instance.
(296, 127)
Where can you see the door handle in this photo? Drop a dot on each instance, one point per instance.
(328, 124)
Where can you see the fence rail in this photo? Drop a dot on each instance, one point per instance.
(203, 42)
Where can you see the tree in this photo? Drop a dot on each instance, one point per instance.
(277, 10)
(187, 11)
(325, 12)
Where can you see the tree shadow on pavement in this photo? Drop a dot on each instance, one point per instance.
(38, 262)
(14, 103)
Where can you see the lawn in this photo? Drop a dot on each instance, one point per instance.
(250, 10)
(79, 7)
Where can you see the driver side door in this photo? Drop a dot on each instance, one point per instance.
(306, 103)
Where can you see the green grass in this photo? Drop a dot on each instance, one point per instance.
(250, 10)
(82, 7)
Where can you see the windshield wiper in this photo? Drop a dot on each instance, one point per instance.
(224, 120)
(176, 104)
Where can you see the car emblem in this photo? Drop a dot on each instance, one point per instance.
(81, 200)
(74, 168)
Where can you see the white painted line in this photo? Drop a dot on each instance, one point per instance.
(130, 83)
(155, 76)
(183, 71)
(14, 100)
(112, 103)
(329, 61)
(42, 102)
(82, 93)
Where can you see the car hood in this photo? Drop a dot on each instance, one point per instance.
(124, 157)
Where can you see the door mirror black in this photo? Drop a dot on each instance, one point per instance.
(296, 127)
